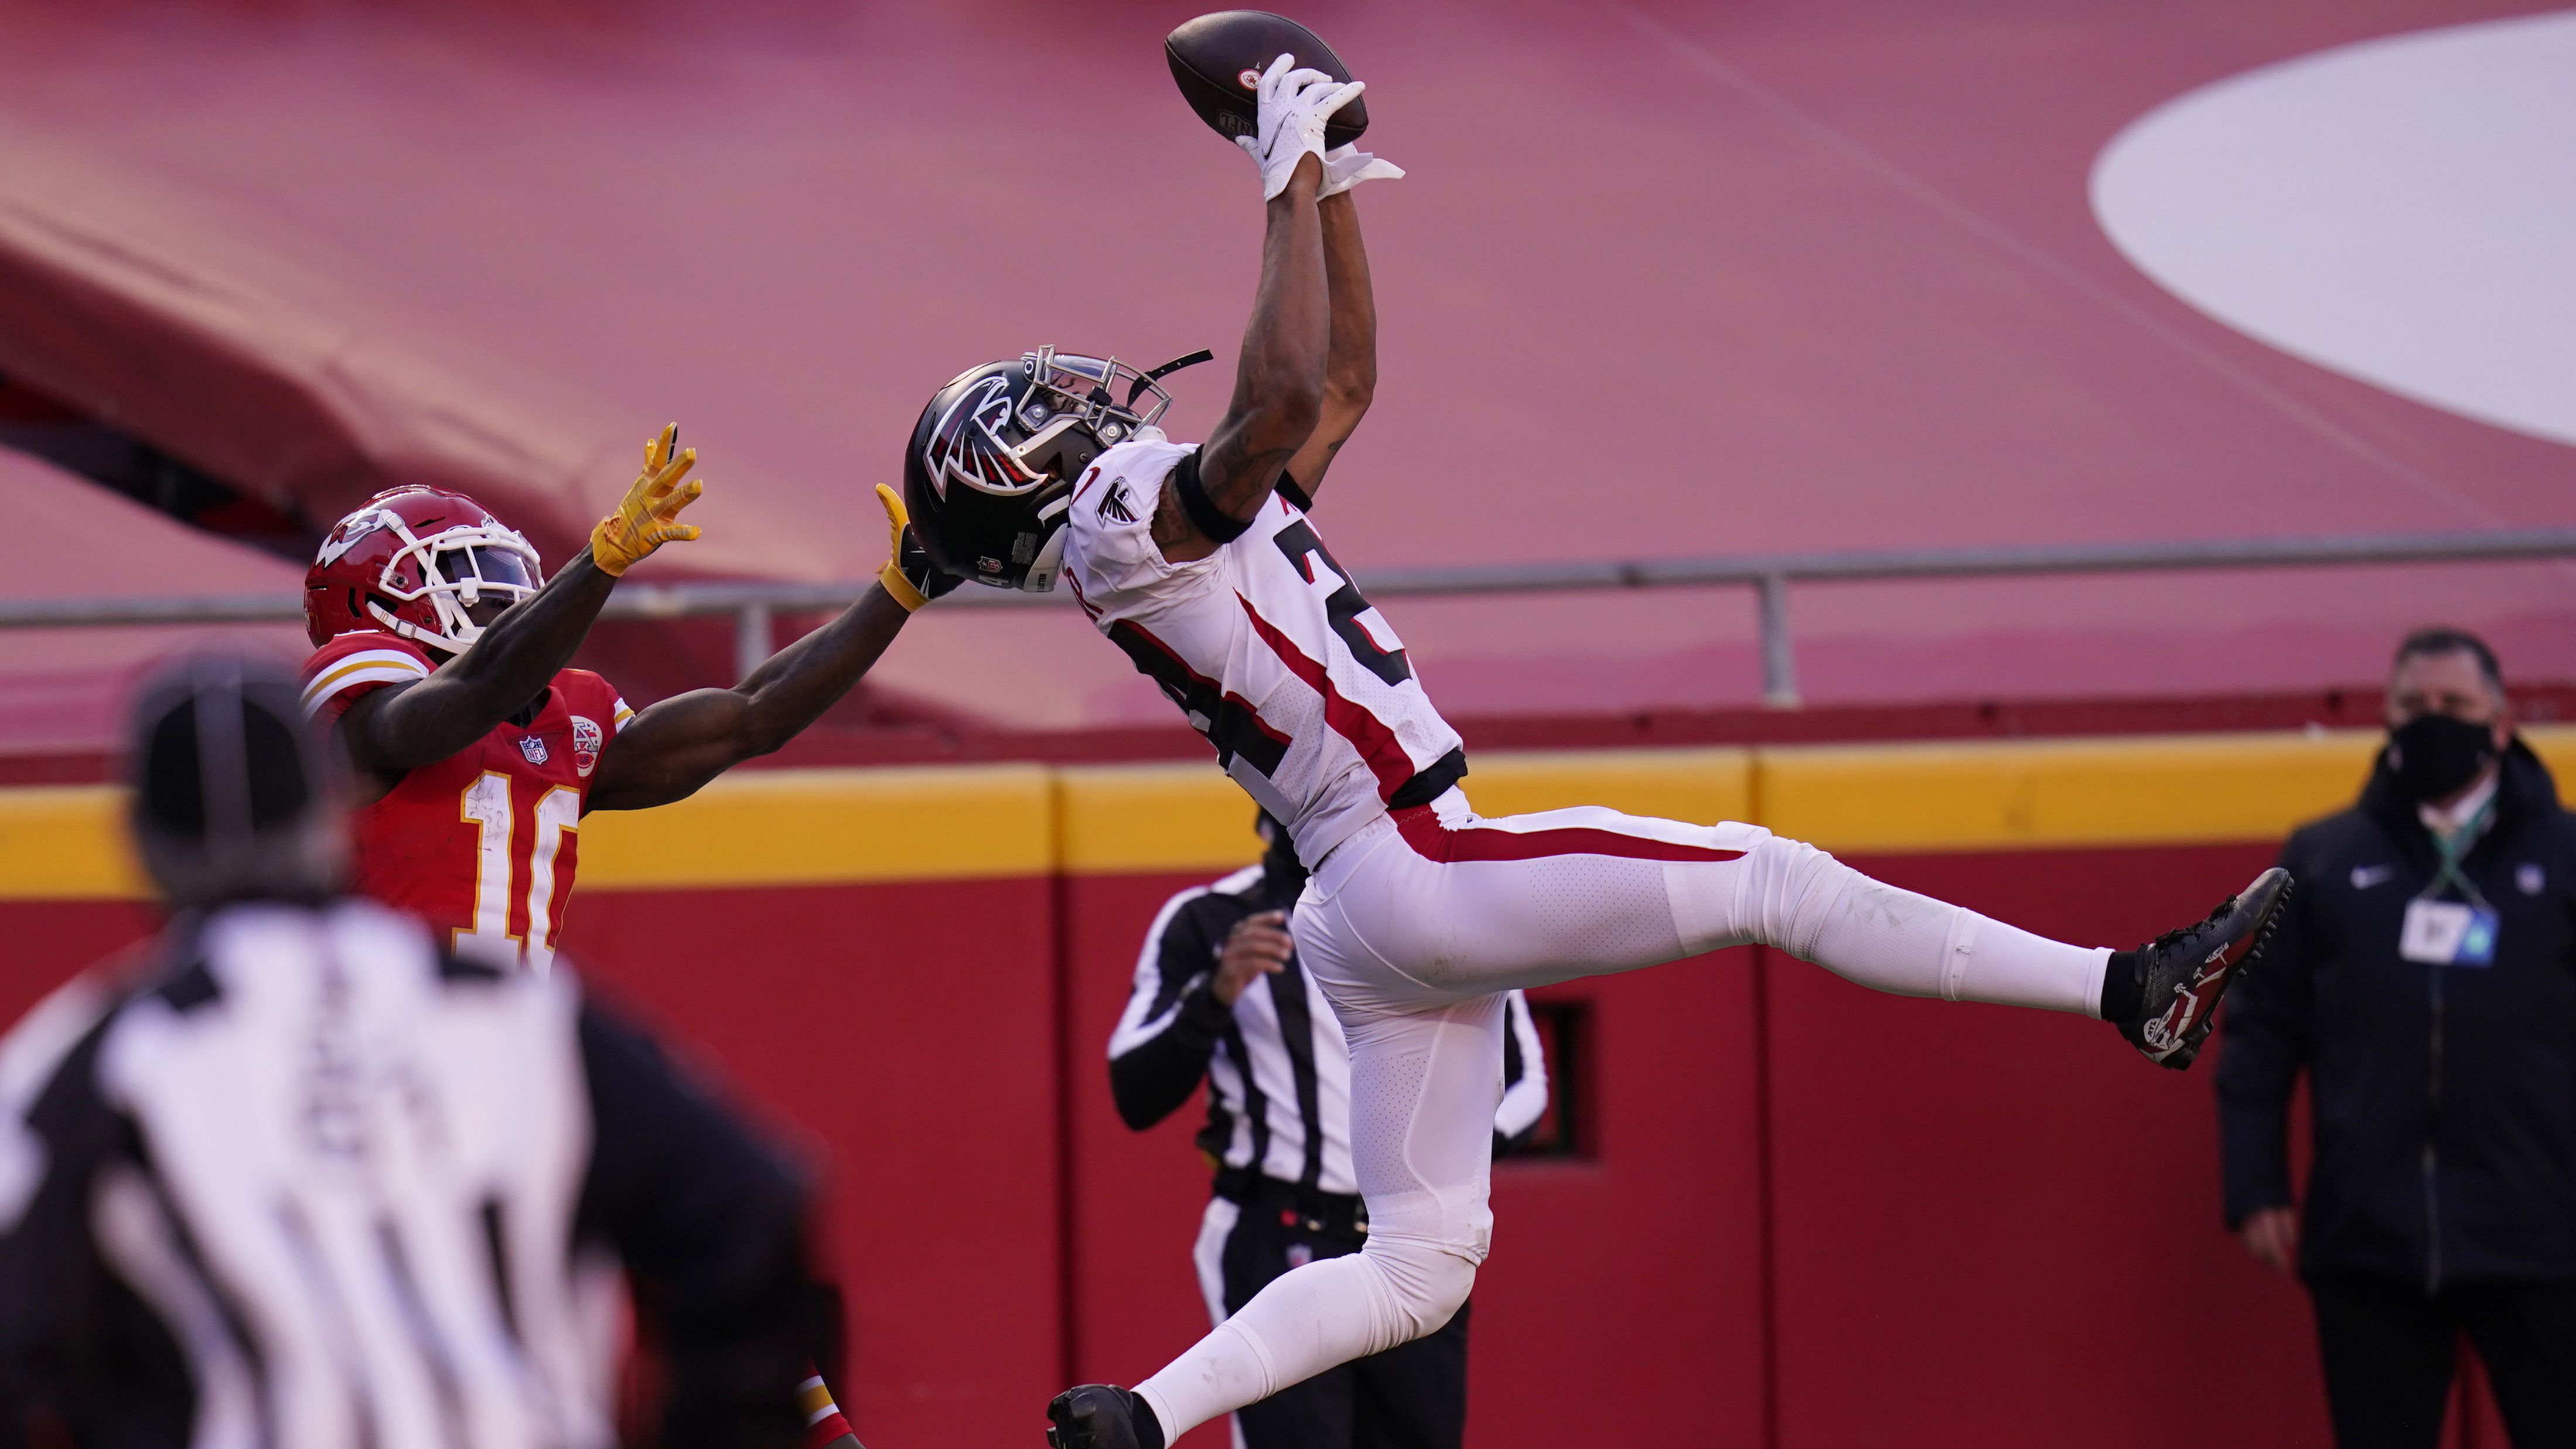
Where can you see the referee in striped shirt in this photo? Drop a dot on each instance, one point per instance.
(290, 1176)
(1219, 995)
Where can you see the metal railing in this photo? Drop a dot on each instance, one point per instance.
(754, 605)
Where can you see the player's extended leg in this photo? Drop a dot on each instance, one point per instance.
(1413, 925)
(1440, 902)
(1424, 1085)
(1443, 903)
(1407, 920)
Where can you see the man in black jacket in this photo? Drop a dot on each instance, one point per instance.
(2425, 977)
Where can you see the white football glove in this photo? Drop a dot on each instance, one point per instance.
(1348, 166)
(1293, 106)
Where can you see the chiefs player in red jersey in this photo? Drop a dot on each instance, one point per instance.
(442, 667)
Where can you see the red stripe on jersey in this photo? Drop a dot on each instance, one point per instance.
(1181, 674)
(357, 683)
(1367, 733)
(1421, 828)
(1076, 585)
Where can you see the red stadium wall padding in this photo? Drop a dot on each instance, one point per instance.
(905, 1031)
(49, 940)
(1995, 1228)
(1136, 1196)
(1985, 1228)
(1623, 1303)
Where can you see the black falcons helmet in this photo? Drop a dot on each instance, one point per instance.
(993, 462)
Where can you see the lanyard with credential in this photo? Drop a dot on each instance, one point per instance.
(2452, 933)
(2456, 849)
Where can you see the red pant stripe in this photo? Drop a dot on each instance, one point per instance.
(1421, 828)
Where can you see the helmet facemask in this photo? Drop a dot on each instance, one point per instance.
(1068, 392)
(1009, 440)
(990, 473)
(455, 569)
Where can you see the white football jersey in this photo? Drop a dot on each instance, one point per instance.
(1267, 646)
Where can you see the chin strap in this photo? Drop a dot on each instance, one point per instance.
(1166, 370)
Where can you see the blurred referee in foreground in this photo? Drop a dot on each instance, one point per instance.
(1219, 995)
(293, 1177)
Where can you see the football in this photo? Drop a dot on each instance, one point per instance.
(1217, 61)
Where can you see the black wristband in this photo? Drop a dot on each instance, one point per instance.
(1289, 489)
(1211, 520)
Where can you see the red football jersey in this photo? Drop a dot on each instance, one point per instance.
(483, 844)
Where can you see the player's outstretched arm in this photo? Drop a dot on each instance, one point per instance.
(1278, 383)
(671, 749)
(403, 727)
(1350, 361)
(1279, 380)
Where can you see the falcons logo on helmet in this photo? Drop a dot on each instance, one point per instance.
(967, 444)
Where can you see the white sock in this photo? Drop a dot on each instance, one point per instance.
(1894, 940)
(1307, 1320)
(1217, 1375)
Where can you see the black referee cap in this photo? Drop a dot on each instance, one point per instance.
(233, 795)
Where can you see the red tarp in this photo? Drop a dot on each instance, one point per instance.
(64, 689)
(1666, 279)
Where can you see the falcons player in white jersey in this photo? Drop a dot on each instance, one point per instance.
(1202, 565)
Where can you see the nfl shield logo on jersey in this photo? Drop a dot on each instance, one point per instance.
(585, 744)
(534, 749)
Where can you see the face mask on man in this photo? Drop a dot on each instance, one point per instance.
(2437, 755)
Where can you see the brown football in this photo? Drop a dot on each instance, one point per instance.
(1217, 61)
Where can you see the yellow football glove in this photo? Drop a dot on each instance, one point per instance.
(909, 577)
(648, 518)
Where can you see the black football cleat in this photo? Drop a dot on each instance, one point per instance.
(1102, 1416)
(2181, 974)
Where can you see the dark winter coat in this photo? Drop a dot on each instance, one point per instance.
(2444, 1097)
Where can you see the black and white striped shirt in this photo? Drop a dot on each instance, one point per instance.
(1277, 1069)
(309, 1185)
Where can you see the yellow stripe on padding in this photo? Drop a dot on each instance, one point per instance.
(1143, 818)
(2042, 794)
(66, 843)
(971, 822)
(807, 827)
(1700, 786)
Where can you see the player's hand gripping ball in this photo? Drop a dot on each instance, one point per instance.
(1218, 60)
(1294, 105)
(648, 517)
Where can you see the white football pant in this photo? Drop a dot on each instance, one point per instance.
(1413, 928)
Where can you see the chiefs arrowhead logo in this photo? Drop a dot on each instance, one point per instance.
(351, 531)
